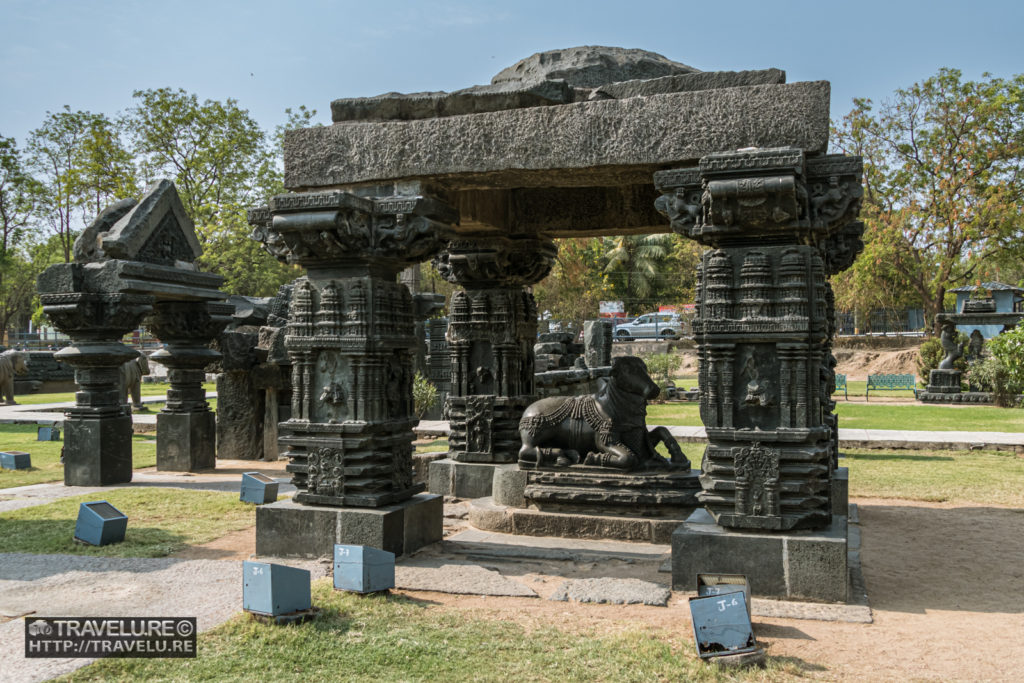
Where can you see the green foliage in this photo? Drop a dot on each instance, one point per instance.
(943, 178)
(1008, 349)
(424, 395)
(80, 163)
(931, 354)
(662, 367)
(991, 374)
(576, 286)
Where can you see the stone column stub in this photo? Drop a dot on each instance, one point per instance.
(350, 337)
(492, 327)
(777, 223)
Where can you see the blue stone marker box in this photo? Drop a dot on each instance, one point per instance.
(719, 584)
(48, 434)
(100, 523)
(258, 488)
(274, 589)
(721, 625)
(362, 569)
(15, 460)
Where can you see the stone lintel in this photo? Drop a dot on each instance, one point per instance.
(598, 143)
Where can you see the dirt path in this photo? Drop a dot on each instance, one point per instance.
(945, 583)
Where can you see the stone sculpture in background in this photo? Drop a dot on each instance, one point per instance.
(607, 429)
(132, 373)
(11, 363)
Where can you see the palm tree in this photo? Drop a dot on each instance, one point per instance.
(636, 260)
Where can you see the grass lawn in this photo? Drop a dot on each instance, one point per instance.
(161, 521)
(394, 638)
(46, 455)
(433, 447)
(147, 389)
(983, 477)
(911, 416)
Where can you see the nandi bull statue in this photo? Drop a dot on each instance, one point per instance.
(607, 429)
(11, 363)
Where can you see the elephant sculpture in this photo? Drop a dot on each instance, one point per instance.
(607, 429)
(131, 380)
(11, 363)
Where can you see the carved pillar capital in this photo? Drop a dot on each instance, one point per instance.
(339, 229)
(496, 261)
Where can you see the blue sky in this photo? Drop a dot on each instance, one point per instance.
(272, 55)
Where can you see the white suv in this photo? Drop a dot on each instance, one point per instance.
(651, 326)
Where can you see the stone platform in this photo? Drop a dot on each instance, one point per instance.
(288, 529)
(800, 565)
(486, 514)
(447, 477)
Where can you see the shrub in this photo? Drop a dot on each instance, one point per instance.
(661, 367)
(424, 395)
(991, 374)
(931, 354)
(1008, 348)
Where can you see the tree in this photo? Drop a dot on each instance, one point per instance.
(943, 182)
(81, 164)
(633, 264)
(576, 285)
(18, 194)
(221, 162)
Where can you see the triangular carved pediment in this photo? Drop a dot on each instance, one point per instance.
(156, 230)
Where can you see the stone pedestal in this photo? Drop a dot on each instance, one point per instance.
(449, 477)
(796, 565)
(944, 382)
(186, 435)
(98, 430)
(288, 529)
(97, 450)
(186, 441)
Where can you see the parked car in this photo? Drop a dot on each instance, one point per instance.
(651, 326)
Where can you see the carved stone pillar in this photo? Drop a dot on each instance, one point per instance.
(186, 428)
(98, 430)
(776, 224)
(492, 327)
(350, 337)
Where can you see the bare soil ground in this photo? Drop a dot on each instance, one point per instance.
(856, 364)
(945, 583)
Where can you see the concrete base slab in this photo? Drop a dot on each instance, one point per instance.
(457, 578)
(808, 565)
(485, 513)
(613, 591)
(449, 477)
(288, 529)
